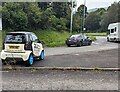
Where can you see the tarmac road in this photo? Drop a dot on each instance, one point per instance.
(103, 59)
(92, 59)
(59, 80)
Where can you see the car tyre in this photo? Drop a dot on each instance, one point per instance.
(115, 40)
(108, 39)
(42, 55)
(79, 44)
(3, 62)
(90, 43)
(30, 61)
(68, 45)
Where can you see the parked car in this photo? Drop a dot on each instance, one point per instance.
(78, 40)
(21, 46)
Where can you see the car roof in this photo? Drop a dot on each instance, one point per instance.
(21, 32)
(77, 34)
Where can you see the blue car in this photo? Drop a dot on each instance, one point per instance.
(78, 40)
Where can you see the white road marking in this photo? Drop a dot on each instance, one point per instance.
(4, 71)
(95, 43)
(76, 54)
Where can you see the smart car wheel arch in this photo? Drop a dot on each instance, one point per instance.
(42, 55)
(30, 60)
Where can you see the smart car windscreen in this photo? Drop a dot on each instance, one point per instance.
(15, 38)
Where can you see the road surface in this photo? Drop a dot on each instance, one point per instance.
(59, 80)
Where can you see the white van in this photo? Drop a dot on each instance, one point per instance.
(114, 32)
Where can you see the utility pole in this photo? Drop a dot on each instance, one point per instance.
(71, 18)
(84, 16)
(0, 16)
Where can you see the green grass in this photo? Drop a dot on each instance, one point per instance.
(96, 34)
(93, 38)
(52, 38)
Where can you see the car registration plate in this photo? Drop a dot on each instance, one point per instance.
(13, 47)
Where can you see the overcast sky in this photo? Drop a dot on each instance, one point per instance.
(96, 3)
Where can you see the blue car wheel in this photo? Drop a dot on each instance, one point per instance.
(30, 61)
(42, 55)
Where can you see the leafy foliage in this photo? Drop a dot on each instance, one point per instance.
(81, 10)
(25, 16)
(14, 17)
(111, 16)
(56, 16)
(92, 21)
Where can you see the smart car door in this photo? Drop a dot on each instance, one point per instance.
(36, 45)
(33, 44)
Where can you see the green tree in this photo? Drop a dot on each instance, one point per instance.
(34, 14)
(14, 17)
(60, 9)
(92, 21)
(43, 5)
(100, 11)
(111, 16)
(61, 24)
(81, 10)
(76, 22)
(46, 18)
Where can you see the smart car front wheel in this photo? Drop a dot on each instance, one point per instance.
(42, 55)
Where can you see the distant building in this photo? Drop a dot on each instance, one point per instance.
(0, 23)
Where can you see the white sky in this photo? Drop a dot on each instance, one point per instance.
(96, 3)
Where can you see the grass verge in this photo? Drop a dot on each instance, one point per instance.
(96, 34)
(52, 38)
(93, 38)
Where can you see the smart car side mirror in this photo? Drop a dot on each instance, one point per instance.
(39, 41)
